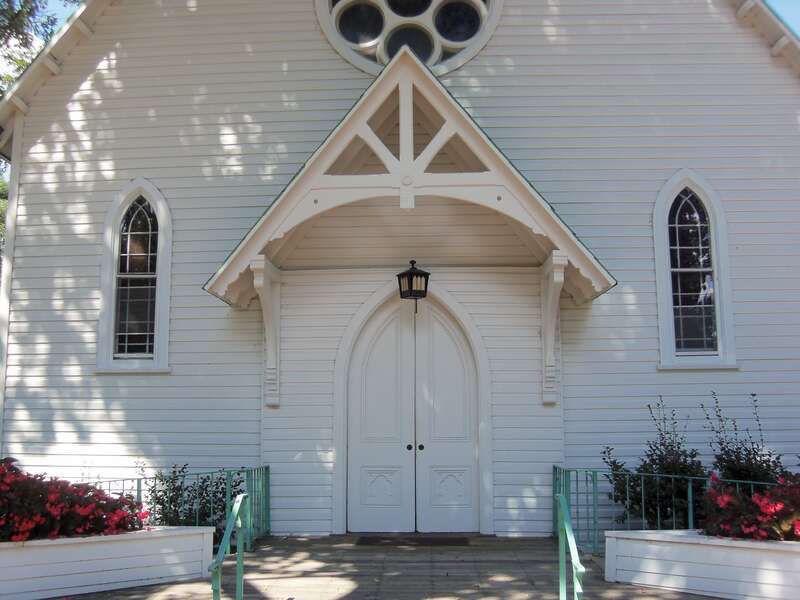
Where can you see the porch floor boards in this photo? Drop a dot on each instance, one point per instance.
(336, 568)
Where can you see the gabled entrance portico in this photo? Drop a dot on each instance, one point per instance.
(408, 174)
(407, 139)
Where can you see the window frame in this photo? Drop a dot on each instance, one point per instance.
(107, 359)
(670, 358)
(128, 276)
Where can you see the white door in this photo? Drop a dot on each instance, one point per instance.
(446, 425)
(380, 468)
(412, 449)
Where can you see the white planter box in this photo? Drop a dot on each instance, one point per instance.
(68, 566)
(688, 561)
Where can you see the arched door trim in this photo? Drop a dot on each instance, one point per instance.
(341, 371)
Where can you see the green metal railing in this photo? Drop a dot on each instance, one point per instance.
(257, 486)
(566, 541)
(240, 517)
(639, 501)
(199, 494)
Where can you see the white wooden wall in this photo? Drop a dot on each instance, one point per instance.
(631, 96)
(437, 232)
(220, 103)
(298, 438)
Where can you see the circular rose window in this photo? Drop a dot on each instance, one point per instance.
(444, 34)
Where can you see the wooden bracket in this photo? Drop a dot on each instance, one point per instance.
(745, 9)
(20, 104)
(552, 282)
(779, 46)
(267, 283)
(83, 28)
(51, 64)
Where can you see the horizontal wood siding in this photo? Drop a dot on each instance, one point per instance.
(316, 308)
(648, 84)
(527, 436)
(219, 104)
(298, 437)
(379, 233)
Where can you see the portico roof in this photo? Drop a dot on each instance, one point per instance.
(373, 153)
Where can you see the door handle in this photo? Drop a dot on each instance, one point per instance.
(409, 447)
(422, 446)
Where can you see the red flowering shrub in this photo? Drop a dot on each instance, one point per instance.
(32, 507)
(770, 514)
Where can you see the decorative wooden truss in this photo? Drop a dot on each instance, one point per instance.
(407, 139)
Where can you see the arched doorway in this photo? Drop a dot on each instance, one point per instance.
(412, 423)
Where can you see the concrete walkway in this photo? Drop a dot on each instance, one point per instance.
(337, 568)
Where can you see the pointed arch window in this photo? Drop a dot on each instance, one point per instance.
(133, 332)
(137, 279)
(692, 275)
(694, 297)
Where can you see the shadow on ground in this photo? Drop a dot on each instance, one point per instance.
(336, 568)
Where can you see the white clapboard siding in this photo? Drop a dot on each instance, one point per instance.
(380, 233)
(298, 437)
(597, 103)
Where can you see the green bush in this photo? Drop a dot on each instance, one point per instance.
(177, 497)
(738, 454)
(654, 500)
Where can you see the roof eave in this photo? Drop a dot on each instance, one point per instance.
(48, 62)
(782, 40)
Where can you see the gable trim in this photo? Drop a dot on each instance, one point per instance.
(501, 187)
(48, 63)
(783, 42)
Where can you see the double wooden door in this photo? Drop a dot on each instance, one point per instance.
(412, 424)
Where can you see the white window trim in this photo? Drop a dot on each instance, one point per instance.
(725, 357)
(326, 18)
(106, 361)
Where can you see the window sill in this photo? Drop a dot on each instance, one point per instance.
(711, 366)
(133, 371)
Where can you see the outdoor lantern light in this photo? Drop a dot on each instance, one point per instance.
(413, 283)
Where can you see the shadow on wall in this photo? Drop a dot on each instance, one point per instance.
(220, 116)
(219, 122)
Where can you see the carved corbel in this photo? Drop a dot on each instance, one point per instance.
(267, 283)
(552, 282)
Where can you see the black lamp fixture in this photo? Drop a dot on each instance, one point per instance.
(413, 283)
